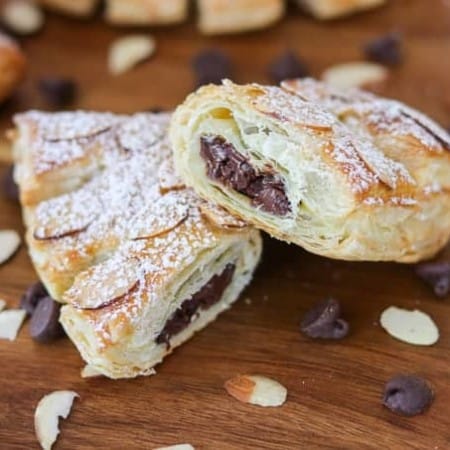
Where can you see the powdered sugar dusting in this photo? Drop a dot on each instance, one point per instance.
(120, 231)
(384, 115)
(293, 109)
(60, 139)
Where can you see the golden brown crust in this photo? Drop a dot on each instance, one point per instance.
(367, 178)
(12, 66)
(77, 8)
(225, 16)
(127, 244)
(331, 9)
(146, 12)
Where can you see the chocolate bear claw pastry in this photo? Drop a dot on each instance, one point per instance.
(346, 175)
(141, 261)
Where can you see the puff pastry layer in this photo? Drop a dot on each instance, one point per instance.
(345, 175)
(331, 9)
(229, 16)
(141, 261)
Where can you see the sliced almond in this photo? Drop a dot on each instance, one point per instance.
(49, 409)
(89, 372)
(355, 75)
(257, 390)
(9, 244)
(168, 179)
(104, 283)
(177, 447)
(58, 231)
(220, 217)
(411, 326)
(22, 17)
(160, 219)
(128, 51)
(10, 323)
(2, 304)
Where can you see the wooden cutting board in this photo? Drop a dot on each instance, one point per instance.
(334, 388)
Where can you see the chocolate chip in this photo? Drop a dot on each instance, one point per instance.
(44, 324)
(10, 188)
(225, 164)
(407, 395)
(287, 66)
(211, 67)
(437, 275)
(385, 49)
(32, 296)
(58, 92)
(323, 321)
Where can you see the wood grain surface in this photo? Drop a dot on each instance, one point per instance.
(334, 389)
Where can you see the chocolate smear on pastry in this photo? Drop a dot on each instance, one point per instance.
(206, 297)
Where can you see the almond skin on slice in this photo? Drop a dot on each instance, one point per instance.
(10, 323)
(257, 390)
(49, 409)
(410, 326)
(127, 52)
(355, 75)
(9, 244)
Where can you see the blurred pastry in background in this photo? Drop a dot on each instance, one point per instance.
(146, 12)
(12, 66)
(228, 16)
(78, 8)
(331, 9)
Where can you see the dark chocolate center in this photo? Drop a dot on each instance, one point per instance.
(226, 165)
(207, 296)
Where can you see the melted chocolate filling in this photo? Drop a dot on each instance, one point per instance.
(225, 164)
(207, 296)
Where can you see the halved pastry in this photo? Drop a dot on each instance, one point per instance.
(331, 9)
(146, 12)
(141, 261)
(229, 16)
(347, 175)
